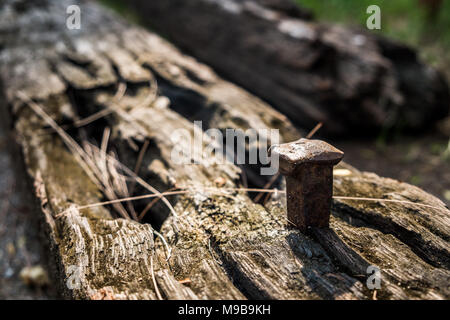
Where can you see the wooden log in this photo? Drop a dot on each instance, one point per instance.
(349, 79)
(223, 245)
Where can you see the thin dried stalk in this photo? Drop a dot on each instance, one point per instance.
(150, 205)
(139, 163)
(169, 250)
(140, 181)
(186, 191)
(314, 130)
(80, 155)
(267, 186)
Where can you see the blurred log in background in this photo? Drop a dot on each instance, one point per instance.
(353, 81)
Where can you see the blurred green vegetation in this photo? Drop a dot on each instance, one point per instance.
(123, 9)
(404, 20)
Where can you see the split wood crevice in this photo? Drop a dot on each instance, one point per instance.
(227, 246)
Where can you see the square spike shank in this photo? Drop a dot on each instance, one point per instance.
(308, 167)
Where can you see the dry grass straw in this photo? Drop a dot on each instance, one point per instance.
(111, 176)
(104, 170)
(222, 191)
(100, 166)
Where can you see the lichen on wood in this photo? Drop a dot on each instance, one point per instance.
(224, 244)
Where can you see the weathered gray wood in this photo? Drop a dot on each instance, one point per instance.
(225, 245)
(351, 80)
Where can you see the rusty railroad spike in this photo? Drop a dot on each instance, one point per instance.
(308, 167)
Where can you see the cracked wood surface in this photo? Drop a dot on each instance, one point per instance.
(227, 246)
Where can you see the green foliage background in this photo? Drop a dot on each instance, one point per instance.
(403, 20)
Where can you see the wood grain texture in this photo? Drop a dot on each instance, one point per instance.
(224, 246)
